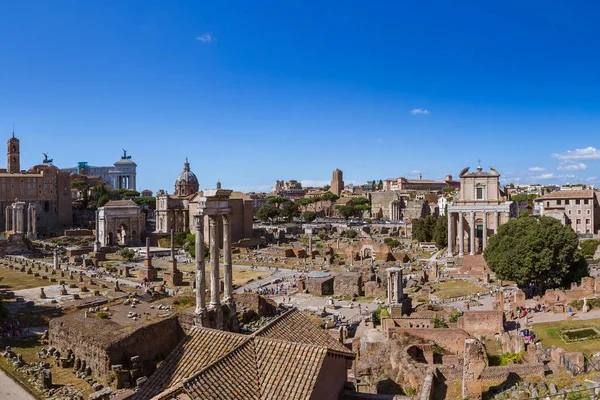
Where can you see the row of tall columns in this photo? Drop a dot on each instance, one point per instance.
(394, 285)
(395, 211)
(15, 218)
(215, 300)
(472, 230)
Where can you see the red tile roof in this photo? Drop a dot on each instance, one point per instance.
(280, 361)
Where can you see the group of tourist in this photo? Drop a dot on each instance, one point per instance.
(13, 329)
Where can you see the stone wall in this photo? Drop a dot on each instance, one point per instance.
(450, 339)
(522, 370)
(348, 284)
(374, 289)
(152, 343)
(484, 323)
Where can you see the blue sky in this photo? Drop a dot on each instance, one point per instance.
(257, 91)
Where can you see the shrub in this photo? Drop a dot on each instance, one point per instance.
(127, 254)
(102, 315)
(411, 391)
(515, 358)
(380, 312)
(454, 317)
(439, 322)
(350, 234)
(391, 243)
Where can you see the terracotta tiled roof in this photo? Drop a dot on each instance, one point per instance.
(260, 369)
(120, 203)
(234, 376)
(288, 370)
(281, 361)
(295, 327)
(568, 194)
(199, 349)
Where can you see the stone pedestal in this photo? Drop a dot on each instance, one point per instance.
(173, 278)
(149, 273)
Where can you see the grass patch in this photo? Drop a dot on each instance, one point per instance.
(184, 302)
(452, 289)
(17, 280)
(550, 334)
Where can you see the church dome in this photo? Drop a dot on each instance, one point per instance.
(187, 182)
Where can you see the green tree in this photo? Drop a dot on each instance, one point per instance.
(440, 233)
(309, 216)
(345, 211)
(418, 230)
(127, 254)
(289, 211)
(360, 209)
(323, 235)
(588, 247)
(277, 201)
(267, 213)
(83, 187)
(357, 201)
(540, 252)
(423, 229)
(328, 197)
(391, 243)
(380, 185)
(350, 234)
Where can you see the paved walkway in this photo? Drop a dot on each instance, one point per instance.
(9, 389)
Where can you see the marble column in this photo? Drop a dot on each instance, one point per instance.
(398, 287)
(7, 216)
(33, 220)
(485, 217)
(200, 270)
(496, 221)
(450, 235)
(227, 268)
(97, 242)
(14, 219)
(472, 234)
(29, 221)
(389, 274)
(214, 262)
(461, 234)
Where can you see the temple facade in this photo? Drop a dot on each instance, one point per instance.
(478, 209)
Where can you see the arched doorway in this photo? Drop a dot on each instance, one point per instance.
(110, 239)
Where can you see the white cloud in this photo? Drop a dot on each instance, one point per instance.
(549, 175)
(418, 111)
(567, 166)
(592, 178)
(537, 169)
(415, 172)
(589, 153)
(206, 38)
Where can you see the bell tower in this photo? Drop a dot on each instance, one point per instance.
(13, 155)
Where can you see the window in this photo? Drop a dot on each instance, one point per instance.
(558, 202)
(577, 201)
(588, 212)
(579, 212)
(587, 221)
(586, 201)
(578, 221)
(547, 204)
(569, 212)
(479, 193)
(567, 202)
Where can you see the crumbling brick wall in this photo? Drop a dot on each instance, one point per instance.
(484, 323)
(348, 284)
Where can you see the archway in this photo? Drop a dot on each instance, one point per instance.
(110, 239)
(133, 237)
